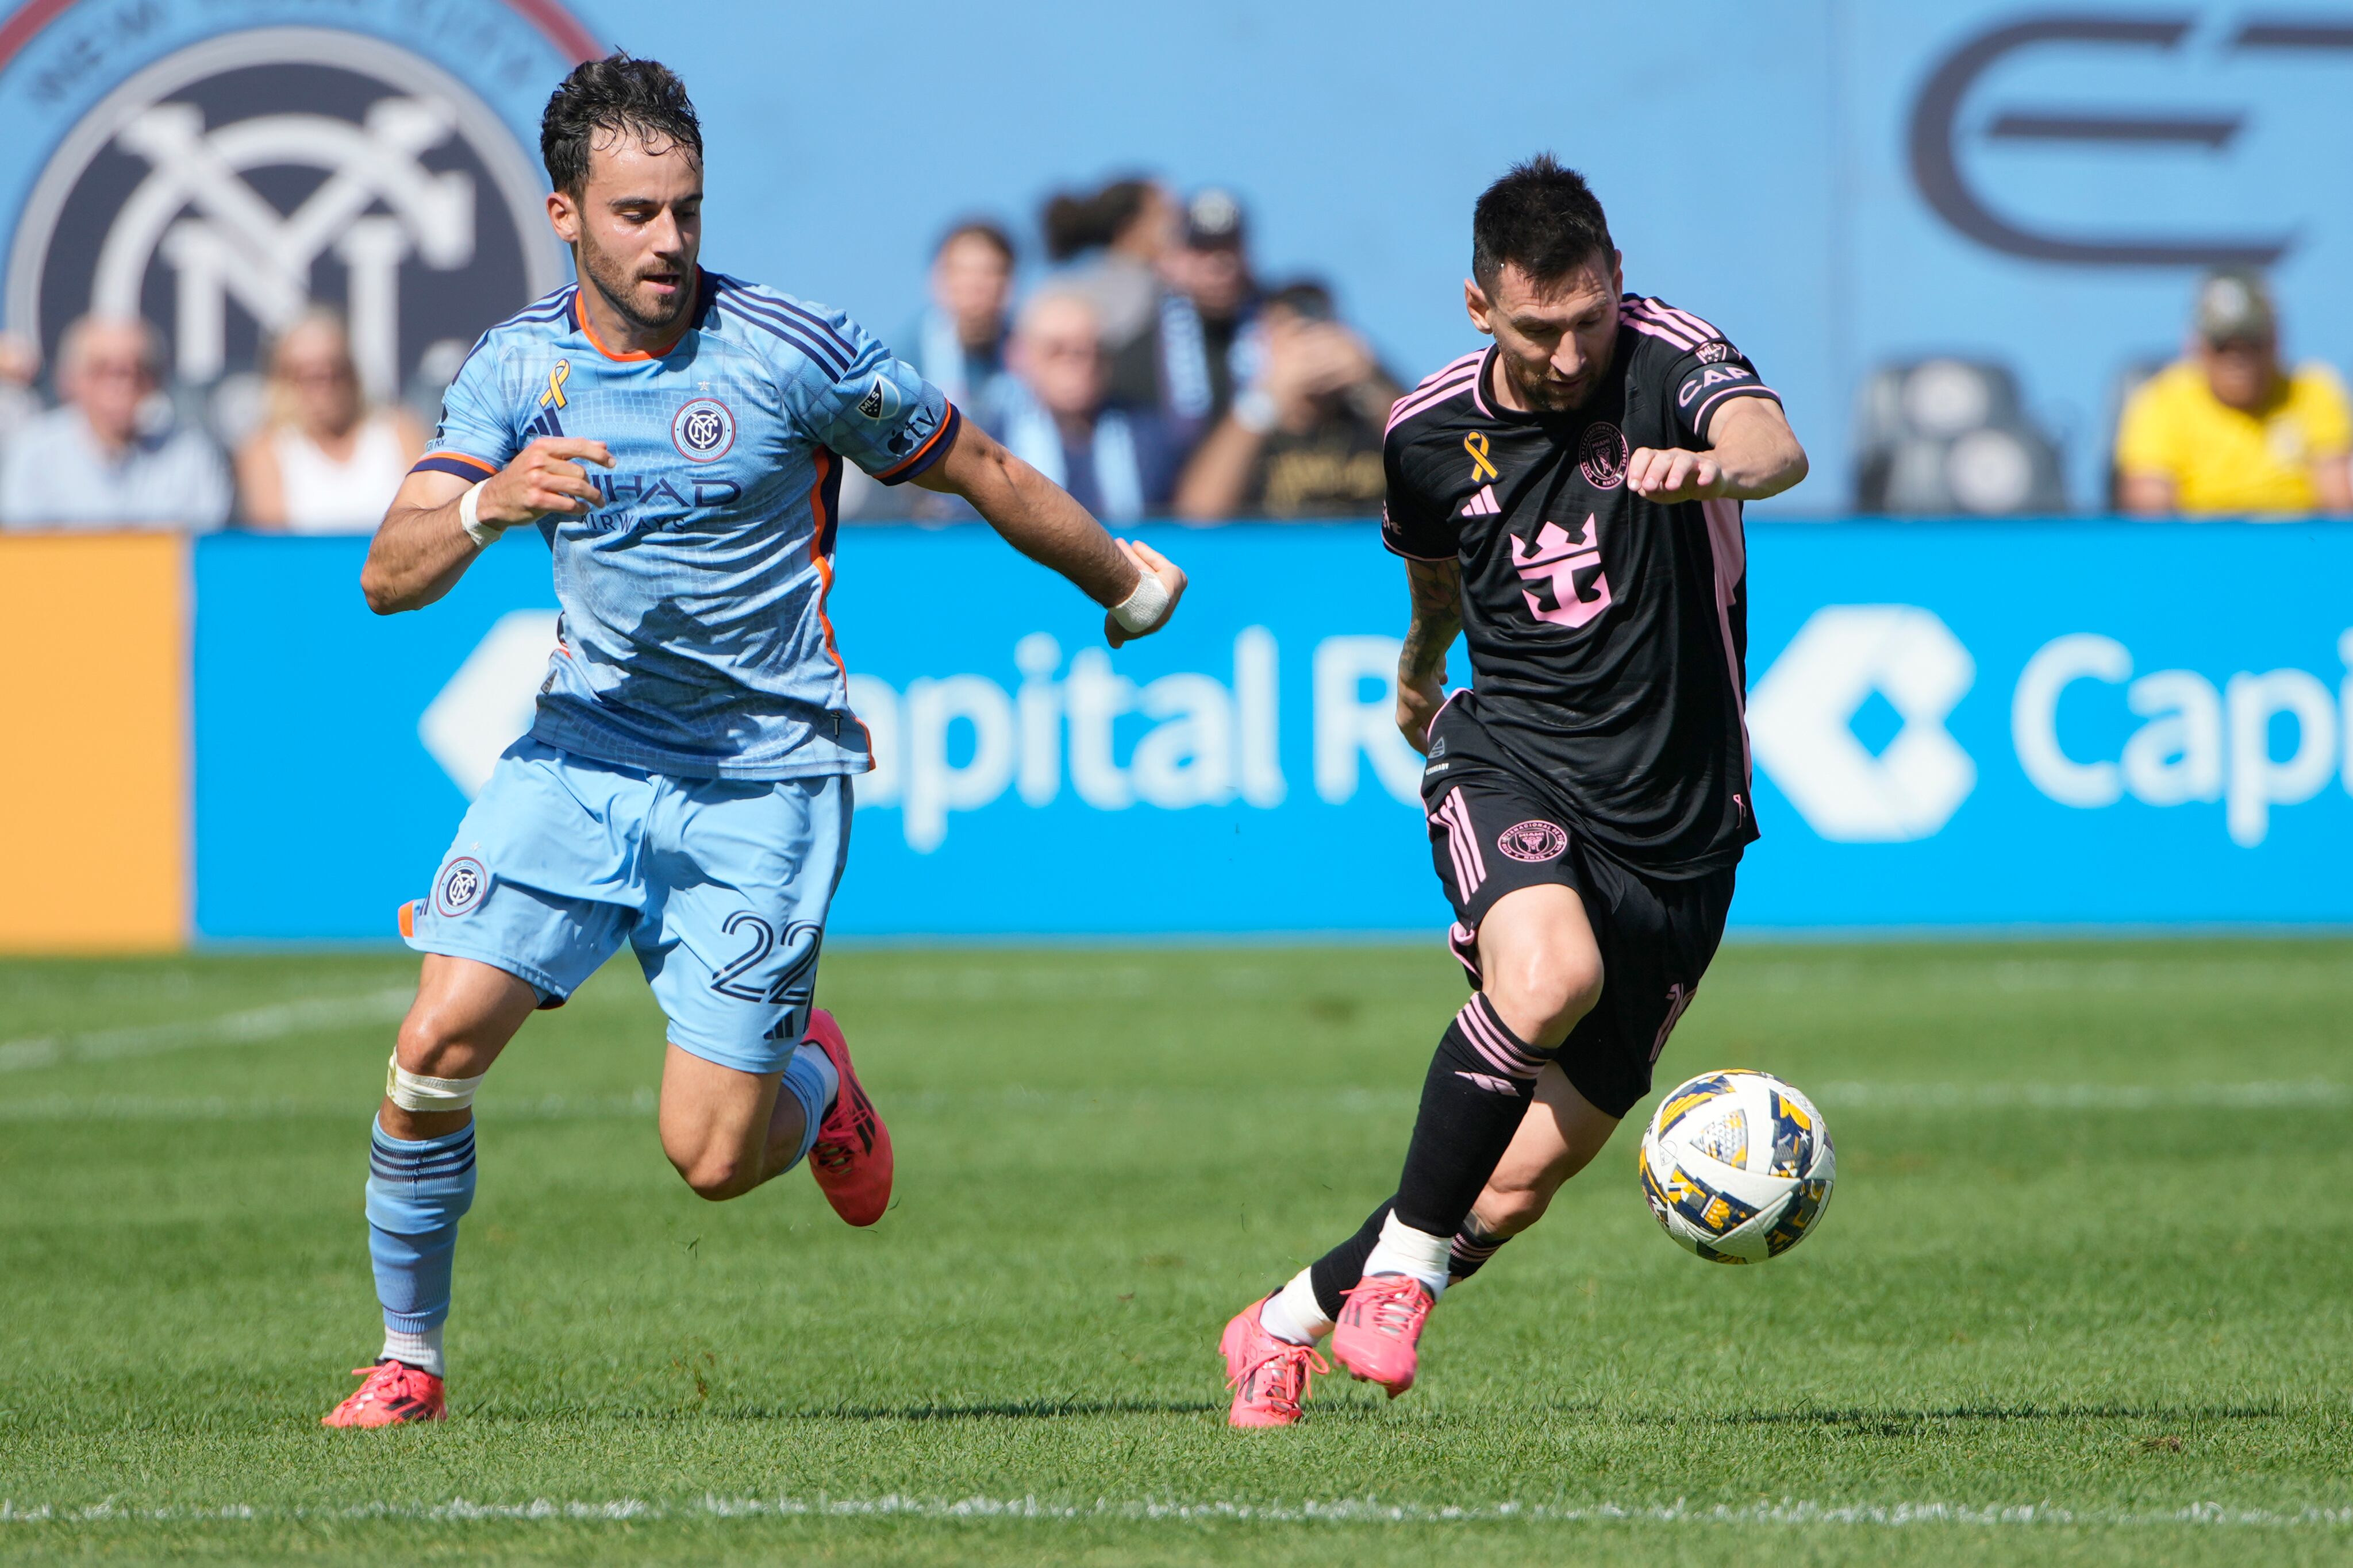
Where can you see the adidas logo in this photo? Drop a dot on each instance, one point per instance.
(1483, 504)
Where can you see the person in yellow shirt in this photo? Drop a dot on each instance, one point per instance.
(2229, 431)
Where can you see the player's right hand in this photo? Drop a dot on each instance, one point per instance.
(544, 477)
(1418, 705)
(1172, 577)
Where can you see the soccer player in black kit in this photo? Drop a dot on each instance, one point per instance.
(1569, 498)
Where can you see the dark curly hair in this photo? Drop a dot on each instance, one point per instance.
(616, 94)
(1541, 217)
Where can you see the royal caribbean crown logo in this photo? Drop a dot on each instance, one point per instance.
(218, 166)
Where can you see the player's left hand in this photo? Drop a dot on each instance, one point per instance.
(1151, 561)
(1670, 474)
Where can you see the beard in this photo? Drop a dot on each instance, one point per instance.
(1545, 396)
(618, 284)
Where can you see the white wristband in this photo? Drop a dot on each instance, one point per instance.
(470, 517)
(1254, 411)
(1142, 610)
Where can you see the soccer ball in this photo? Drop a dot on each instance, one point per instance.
(1737, 1166)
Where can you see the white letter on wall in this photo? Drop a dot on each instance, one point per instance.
(2257, 782)
(1347, 723)
(2177, 756)
(930, 787)
(2034, 717)
(1258, 724)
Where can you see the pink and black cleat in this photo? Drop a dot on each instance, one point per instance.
(1380, 1329)
(395, 1395)
(851, 1157)
(1269, 1376)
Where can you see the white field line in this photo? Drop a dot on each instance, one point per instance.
(252, 1026)
(2315, 1095)
(1340, 1511)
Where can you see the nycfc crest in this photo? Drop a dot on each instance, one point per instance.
(219, 172)
(702, 430)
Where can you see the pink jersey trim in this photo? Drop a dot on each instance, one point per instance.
(1427, 397)
(1728, 548)
(1642, 323)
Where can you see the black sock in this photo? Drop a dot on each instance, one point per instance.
(1480, 1084)
(1335, 1273)
(1472, 1246)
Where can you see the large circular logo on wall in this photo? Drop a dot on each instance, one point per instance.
(219, 178)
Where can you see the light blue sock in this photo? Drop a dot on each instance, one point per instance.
(417, 1192)
(810, 1078)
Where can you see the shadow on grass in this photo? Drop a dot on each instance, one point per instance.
(1898, 1423)
(994, 1410)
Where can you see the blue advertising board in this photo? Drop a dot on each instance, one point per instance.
(1955, 725)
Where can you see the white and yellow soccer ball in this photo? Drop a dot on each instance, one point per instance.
(1737, 1165)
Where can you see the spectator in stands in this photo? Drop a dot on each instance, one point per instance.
(323, 461)
(1305, 439)
(20, 368)
(1117, 240)
(1055, 412)
(959, 342)
(2229, 430)
(1207, 344)
(111, 456)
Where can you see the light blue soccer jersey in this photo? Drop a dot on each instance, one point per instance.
(694, 640)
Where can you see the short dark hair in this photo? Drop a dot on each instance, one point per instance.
(1542, 219)
(1077, 222)
(620, 94)
(989, 233)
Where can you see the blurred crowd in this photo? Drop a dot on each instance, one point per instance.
(1151, 370)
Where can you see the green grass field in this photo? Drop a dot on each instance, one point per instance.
(2084, 1294)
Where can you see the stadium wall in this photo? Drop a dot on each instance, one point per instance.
(1965, 725)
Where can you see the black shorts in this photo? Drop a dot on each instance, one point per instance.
(1494, 830)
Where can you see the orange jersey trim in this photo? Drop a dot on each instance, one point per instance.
(946, 424)
(818, 558)
(580, 319)
(466, 458)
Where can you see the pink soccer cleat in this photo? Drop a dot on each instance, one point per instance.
(851, 1157)
(395, 1395)
(1269, 1376)
(1379, 1329)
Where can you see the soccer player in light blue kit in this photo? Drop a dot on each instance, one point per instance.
(677, 437)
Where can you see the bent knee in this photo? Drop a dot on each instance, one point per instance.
(1506, 1211)
(435, 1043)
(1542, 997)
(715, 1180)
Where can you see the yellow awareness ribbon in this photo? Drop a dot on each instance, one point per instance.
(555, 380)
(1475, 444)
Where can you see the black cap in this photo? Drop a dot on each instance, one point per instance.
(1213, 220)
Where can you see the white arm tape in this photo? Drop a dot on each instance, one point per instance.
(470, 517)
(1142, 610)
(415, 1091)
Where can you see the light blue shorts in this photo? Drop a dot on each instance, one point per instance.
(721, 885)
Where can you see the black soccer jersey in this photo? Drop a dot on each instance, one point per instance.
(1607, 634)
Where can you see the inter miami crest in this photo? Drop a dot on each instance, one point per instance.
(218, 176)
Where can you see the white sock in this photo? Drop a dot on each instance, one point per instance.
(417, 1350)
(1293, 1314)
(1405, 1250)
(823, 1066)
